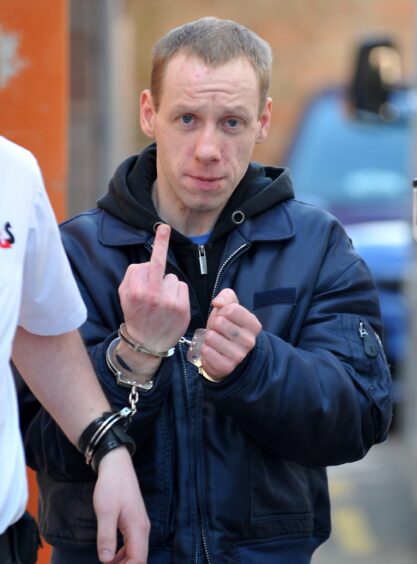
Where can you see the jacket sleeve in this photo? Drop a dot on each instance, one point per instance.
(323, 396)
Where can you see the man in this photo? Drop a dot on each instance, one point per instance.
(286, 374)
(39, 294)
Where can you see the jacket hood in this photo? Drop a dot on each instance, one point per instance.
(129, 196)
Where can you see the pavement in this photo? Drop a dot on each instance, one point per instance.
(374, 510)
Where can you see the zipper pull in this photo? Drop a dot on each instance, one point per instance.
(369, 346)
(202, 259)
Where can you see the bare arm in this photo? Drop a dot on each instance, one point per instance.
(59, 373)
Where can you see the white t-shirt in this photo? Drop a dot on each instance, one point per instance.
(37, 292)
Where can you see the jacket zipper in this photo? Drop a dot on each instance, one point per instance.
(362, 331)
(185, 341)
(203, 536)
(202, 259)
(229, 259)
(368, 345)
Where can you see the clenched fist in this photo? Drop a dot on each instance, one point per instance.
(230, 336)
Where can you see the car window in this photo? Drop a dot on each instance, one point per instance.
(337, 161)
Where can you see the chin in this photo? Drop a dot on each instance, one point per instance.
(210, 205)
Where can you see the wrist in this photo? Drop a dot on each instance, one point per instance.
(137, 346)
(112, 457)
(104, 434)
(209, 378)
(144, 365)
(125, 374)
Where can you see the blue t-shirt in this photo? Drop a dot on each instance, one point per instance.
(200, 239)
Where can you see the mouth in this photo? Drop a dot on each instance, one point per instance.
(208, 181)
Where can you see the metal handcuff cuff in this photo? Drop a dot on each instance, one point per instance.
(121, 369)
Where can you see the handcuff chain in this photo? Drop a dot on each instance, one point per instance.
(184, 341)
(133, 400)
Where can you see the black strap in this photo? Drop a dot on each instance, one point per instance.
(114, 437)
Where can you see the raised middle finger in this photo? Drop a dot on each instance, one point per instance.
(158, 259)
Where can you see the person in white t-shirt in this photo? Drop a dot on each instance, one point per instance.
(41, 310)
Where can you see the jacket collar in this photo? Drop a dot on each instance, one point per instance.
(275, 224)
(114, 232)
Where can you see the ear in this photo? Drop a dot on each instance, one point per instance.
(264, 121)
(147, 113)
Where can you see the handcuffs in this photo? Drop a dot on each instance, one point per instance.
(122, 370)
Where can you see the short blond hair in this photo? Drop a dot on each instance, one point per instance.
(215, 42)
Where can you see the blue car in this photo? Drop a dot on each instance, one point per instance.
(356, 163)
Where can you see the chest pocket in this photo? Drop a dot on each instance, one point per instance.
(276, 296)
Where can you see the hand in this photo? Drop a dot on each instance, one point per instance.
(119, 505)
(156, 307)
(231, 335)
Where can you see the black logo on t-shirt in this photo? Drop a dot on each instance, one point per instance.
(6, 237)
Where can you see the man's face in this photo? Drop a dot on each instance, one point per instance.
(206, 127)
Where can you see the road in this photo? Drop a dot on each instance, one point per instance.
(374, 513)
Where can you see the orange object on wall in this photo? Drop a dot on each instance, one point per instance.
(34, 86)
(34, 103)
(44, 554)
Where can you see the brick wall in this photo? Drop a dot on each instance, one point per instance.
(311, 39)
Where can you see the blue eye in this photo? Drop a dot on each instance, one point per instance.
(187, 119)
(232, 122)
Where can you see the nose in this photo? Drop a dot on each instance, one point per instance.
(207, 147)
